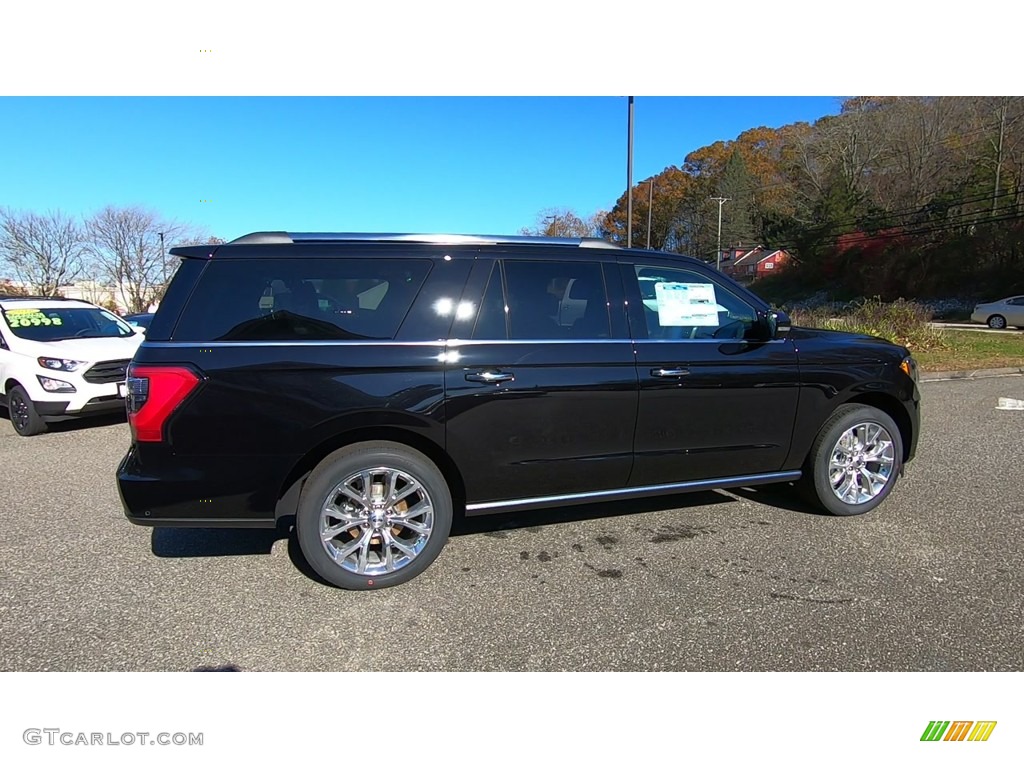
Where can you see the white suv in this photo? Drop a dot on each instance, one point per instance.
(61, 358)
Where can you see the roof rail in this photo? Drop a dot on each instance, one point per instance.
(262, 238)
(286, 238)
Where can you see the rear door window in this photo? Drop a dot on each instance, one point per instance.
(555, 300)
(302, 299)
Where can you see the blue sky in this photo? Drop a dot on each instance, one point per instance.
(414, 164)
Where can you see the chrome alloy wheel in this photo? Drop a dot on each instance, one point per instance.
(862, 462)
(376, 521)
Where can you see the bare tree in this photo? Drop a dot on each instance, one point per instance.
(840, 152)
(44, 251)
(128, 253)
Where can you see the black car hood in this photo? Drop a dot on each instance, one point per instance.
(873, 346)
(838, 337)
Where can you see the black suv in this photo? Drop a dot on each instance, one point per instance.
(370, 387)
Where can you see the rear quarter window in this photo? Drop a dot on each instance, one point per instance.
(301, 299)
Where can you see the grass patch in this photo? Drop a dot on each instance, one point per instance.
(968, 350)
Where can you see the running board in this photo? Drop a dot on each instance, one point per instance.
(537, 502)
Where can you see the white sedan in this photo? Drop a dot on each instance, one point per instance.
(999, 314)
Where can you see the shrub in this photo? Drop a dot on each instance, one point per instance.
(901, 321)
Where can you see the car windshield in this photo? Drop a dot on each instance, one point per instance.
(60, 323)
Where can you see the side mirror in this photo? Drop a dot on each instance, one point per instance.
(777, 324)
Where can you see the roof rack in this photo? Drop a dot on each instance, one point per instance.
(288, 238)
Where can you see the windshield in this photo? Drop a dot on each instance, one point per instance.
(57, 324)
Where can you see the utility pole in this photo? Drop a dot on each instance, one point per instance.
(650, 206)
(163, 260)
(720, 201)
(629, 180)
(999, 154)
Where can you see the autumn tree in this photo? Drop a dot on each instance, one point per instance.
(905, 195)
(661, 200)
(563, 222)
(43, 251)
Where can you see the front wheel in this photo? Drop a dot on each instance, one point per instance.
(373, 515)
(24, 417)
(855, 460)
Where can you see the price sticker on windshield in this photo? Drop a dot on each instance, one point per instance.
(25, 318)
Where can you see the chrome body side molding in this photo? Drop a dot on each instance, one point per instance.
(538, 502)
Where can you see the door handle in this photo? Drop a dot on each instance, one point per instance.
(669, 373)
(491, 377)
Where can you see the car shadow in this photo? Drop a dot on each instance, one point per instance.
(230, 542)
(223, 668)
(779, 495)
(88, 422)
(464, 525)
(227, 542)
(214, 542)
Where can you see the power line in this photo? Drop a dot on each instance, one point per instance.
(906, 212)
(855, 238)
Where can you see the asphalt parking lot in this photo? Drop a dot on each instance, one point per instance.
(751, 580)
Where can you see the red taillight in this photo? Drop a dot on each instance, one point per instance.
(154, 391)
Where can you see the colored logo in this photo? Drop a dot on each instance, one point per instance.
(958, 730)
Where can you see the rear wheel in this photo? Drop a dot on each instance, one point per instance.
(24, 418)
(997, 321)
(373, 515)
(855, 460)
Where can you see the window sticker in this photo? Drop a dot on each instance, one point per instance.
(23, 318)
(686, 304)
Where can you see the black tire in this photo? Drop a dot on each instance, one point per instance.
(997, 321)
(339, 467)
(22, 411)
(817, 483)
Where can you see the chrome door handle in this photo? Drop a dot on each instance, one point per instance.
(669, 373)
(491, 377)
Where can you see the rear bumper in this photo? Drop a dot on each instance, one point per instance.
(57, 408)
(200, 492)
(910, 398)
(187, 522)
(914, 411)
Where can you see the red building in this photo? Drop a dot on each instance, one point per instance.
(748, 265)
